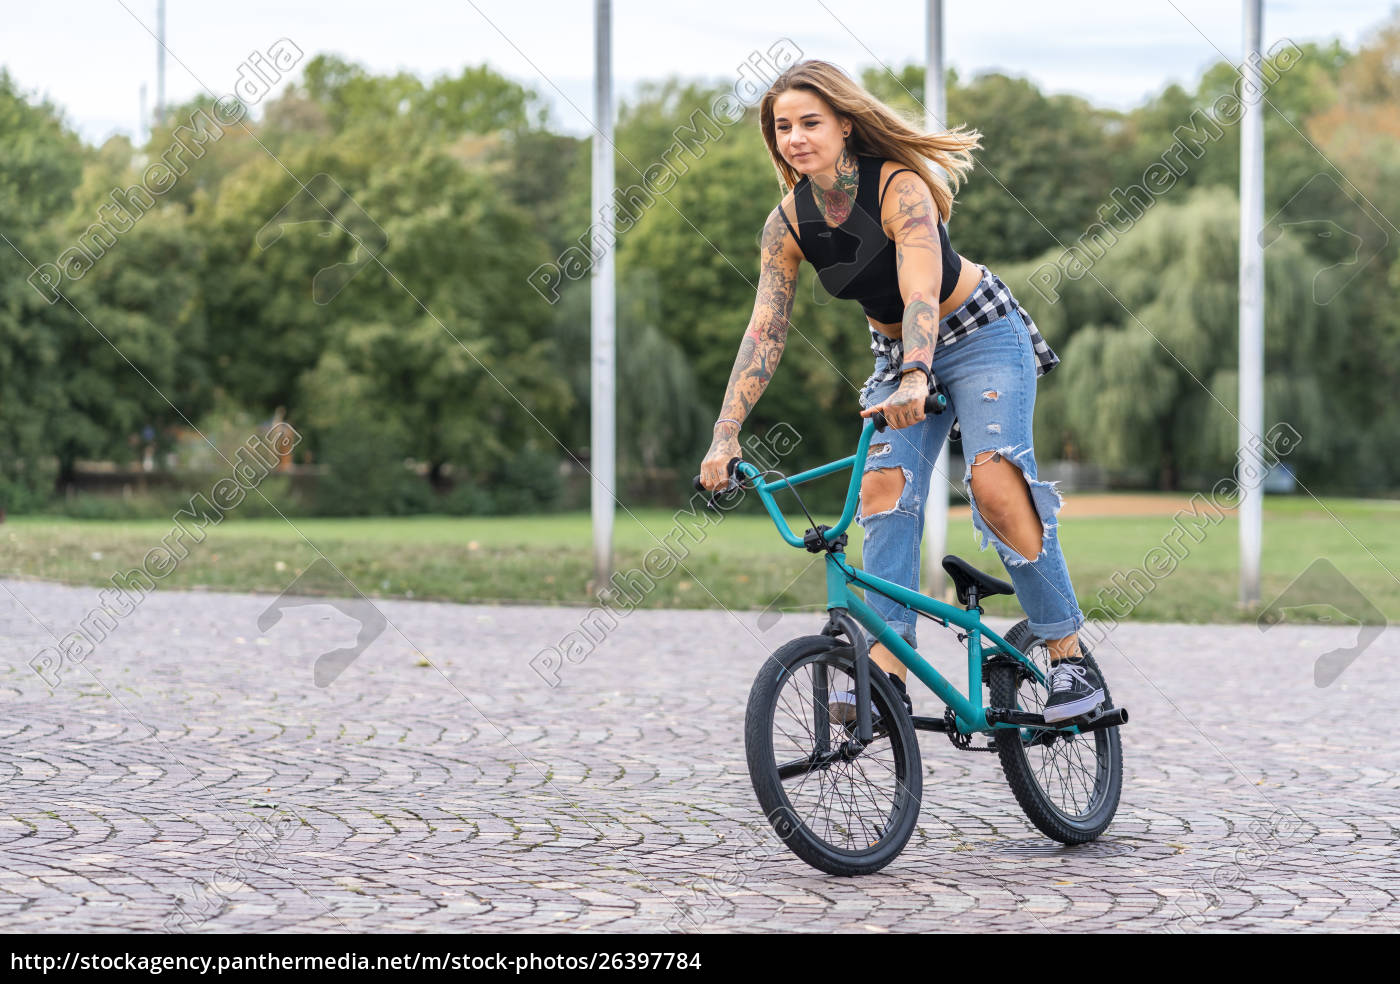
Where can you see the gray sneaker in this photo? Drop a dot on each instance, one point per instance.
(842, 703)
(842, 707)
(1074, 690)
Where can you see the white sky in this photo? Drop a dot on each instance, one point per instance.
(92, 56)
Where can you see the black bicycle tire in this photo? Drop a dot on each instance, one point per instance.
(1003, 681)
(763, 771)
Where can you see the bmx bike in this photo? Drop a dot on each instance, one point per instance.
(844, 796)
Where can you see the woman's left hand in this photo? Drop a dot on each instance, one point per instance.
(905, 407)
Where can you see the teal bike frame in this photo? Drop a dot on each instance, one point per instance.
(841, 577)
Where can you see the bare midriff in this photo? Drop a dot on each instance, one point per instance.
(968, 279)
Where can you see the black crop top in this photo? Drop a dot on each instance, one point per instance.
(856, 260)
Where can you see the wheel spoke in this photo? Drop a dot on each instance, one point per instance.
(1073, 775)
(846, 804)
(870, 794)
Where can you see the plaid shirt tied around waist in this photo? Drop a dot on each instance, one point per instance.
(989, 301)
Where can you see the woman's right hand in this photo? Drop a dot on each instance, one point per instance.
(714, 470)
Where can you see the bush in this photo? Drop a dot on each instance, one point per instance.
(276, 498)
(366, 474)
(527, 482)
(117, 507)
(20, 497)
(166, 502)
(466, 499)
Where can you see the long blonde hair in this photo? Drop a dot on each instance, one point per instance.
(876, 130)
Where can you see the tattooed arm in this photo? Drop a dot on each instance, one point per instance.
(909, 216)
(761, 348)
(763, 342)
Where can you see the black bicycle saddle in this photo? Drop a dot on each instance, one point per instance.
(966, 576)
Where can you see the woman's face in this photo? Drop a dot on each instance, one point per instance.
(808, 134)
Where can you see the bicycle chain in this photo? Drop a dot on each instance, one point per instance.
(961, 742)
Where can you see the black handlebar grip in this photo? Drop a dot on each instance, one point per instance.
(935, 403)
(733, 463)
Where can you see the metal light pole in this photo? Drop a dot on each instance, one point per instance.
(1251, 463)
(603, 443)
(936, 509)
(160, 62)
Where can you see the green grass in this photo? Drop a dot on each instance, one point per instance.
(740, 564)
(1354, 536)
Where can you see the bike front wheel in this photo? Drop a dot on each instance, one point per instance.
(842, 808)
(1068, 785)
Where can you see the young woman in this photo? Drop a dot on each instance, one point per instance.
(866, 211)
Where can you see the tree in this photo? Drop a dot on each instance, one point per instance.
(1155, 386)
(701, 247)
(1042, 168)
(451, 342)
(41, 166)
(400, 107)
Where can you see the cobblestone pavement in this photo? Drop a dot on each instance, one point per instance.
(189, 774)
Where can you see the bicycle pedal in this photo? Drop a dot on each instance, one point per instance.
(1098, 719)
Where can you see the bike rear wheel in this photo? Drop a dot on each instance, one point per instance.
(1068, 785)
(844, 810)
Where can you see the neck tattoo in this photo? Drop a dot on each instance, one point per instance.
(835, 203)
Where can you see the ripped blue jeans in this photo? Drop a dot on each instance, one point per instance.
(989, 377)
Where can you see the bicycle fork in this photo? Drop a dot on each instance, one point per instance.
(840, 623)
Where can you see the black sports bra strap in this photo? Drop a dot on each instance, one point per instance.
(887, 184)
(795, 236)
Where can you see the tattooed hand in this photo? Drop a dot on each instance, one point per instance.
(905, 407)
(714, 471)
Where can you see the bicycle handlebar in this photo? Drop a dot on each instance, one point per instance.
(731, 489)
(935, 403)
